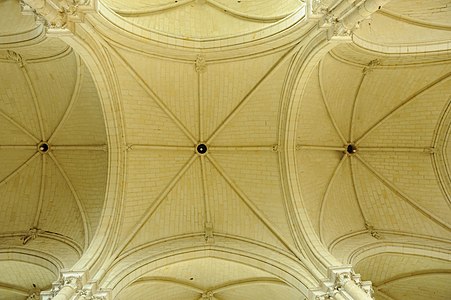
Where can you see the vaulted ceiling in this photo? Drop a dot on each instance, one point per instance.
(371, 154)
(388, 190)
(53, 153)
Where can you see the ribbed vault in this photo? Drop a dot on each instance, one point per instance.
(53, 155)
(226, 193)
(368, 159)
(243, 149)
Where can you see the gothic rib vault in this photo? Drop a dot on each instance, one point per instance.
(224, 150)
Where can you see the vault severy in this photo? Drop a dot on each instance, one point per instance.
(206, 168)
(210, 162)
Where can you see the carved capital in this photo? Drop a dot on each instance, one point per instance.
(335, 29)
(327, 21)
(333, 287)
(90, 292)
(54, 14)
(340, 32)
(342, 278)
(54, 18)
(318, 8)
(73, 279)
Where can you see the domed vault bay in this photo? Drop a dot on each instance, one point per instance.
(225, 150)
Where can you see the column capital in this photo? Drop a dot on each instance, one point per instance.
(333, 287)
(336, 31)
(90, 291)
(56, 15)
(342, 19)
(72, 279)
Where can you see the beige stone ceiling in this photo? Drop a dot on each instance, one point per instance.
(392, 128)
(232, 193)
(391, 190)
(186, 219)
(51, 202)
